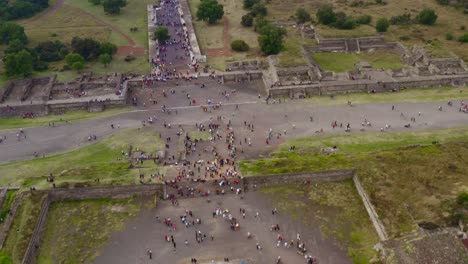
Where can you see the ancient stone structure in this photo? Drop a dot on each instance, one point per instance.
(251, 65)
(39, 96)
(420, 71)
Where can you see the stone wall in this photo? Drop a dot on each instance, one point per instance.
(81, 194)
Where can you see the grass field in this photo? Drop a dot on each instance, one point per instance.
(292, 54)
(71, 116)
(10, 197)
(82, 19)
(410, 96)
(341, 62)
(211, 36)
(103, 160)
(409, 179)
(76, 230)
(23, 226)
(450, 19)
(336, 208)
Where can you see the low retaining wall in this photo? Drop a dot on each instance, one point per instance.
(81, 194)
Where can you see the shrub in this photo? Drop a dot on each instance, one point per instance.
(344, 22)
(72, 58)
(404, 19)
(364, 20)
(247, 20)
(382, 25)
(161, 34)
(427, 17)
(302, 15)
(129, 58)
(449, 36)
(404, 38)
(248, 4)
(463, 38)
(271, 39)
(239, 45)
(259, 9)
(326, 15)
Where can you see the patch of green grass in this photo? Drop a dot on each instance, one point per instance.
(409, 95)
(5, 258)
(10, 196)
(23, 226)
(408, 179)
(292, 54)
(341, 62)
(103, 160)
(76, 230)
(336, 208)
(200, 135)
(12, 123)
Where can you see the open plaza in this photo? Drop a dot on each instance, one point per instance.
(345, 149)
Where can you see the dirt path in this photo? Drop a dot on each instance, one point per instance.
(131, 49)
(49, 12)
(226, 49)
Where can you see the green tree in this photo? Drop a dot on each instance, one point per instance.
(326, 15)
(239, 45)
(14, 46)
(20, 63)
(107, 48)
(259, 10)
(78, 66)
(105, 59)
(271, 39)
(302, 16)
(248, 4)
(10, 31)
(247, 20)
(382, 25)
(210, 11)
(74, 57)
(113, 6)
(427, 17)
(161, 34)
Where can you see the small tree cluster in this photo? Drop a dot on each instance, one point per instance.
(210, 11)
(327, 16)
(257, 9)
(404, 19)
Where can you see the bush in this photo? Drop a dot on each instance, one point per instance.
(404, 19)
(427, 17)
(463, 38)
(344, 22)
(113, 6)
(51, 50)
(248, 4)
(382, 25)
(326, 15)
(260, 23)
(449, 36)
(302, 16)
(364, 20)
(72, 58)
(247, 20)
(462, 199)
(239, 45)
